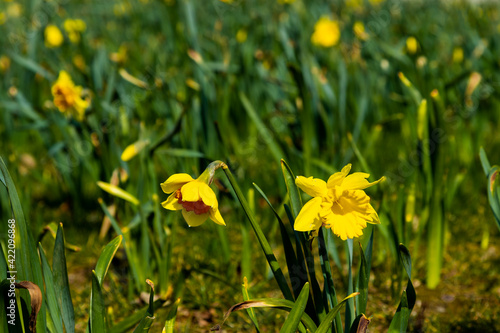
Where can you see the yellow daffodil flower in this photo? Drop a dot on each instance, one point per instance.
(339, 204)
(53, 36)
(326, 32)
(68, 97)
(74, 28)
(194, 196)
(411, 45)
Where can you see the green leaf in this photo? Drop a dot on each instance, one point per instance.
(399, 322)
(494, 192)
(362, 284)
(326, 324)
(293, 319)
(172, 314)
(484, 161)
(27, 261)
(291, 259)
(107, 254)
(61, 284)
(31, 65)
(97, 310)
(246, 297)
(349, 311)
(50, 293)
(278, 303)
(271, 259)
(147, 321)
(293, 191)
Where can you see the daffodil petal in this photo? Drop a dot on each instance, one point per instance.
(313, 186)
(374, 219)
(207, 195)
(215, 216)
(174, 182)
(193, 219)
(337, 178)
(358, 181)
(171, 203)
(191, 191)
(308, 218)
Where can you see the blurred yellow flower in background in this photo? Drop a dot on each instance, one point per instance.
(241, 35)
(326, 32)
(68, 97)
(74, 28)
(2, 18)
(411, 45)
(53, 36)
(458, 55)
(120, 56)
(79, 62)
(194, 196)
(359, 30)
(4, 63)
(339, 204)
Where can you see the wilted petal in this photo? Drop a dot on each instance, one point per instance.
(308, 218)
(193, 219)
(175, 182)
(171, 203)
(313, 186)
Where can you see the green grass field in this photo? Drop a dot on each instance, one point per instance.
(102, 102)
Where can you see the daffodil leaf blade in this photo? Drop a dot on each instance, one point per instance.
(97, 309)
(494, 192)
(293, 319)
(277, 303)
(293, 191)
(246, 297)
(399, 322)
(171, 316)
(290, 257)
(326, 323)
(362, 283)
(484, 161)
(106, 257)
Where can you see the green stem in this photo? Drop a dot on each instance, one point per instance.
(271, 259)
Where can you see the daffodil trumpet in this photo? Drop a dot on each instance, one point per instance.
(194, 197)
